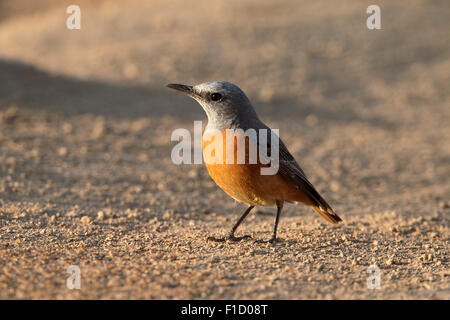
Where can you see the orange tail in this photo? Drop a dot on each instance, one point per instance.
(328, 214)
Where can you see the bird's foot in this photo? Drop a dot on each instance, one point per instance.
(271, 241)
(229, 238)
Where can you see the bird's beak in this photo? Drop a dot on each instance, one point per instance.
(181, 87)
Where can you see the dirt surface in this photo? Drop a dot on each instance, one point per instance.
(86, 176)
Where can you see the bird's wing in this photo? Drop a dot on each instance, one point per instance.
(291, 171)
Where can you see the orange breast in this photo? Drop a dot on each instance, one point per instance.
(244, 182)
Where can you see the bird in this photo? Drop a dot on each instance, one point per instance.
(228, 108)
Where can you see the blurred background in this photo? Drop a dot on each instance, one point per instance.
(85, 118)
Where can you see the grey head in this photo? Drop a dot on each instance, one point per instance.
(224, 103)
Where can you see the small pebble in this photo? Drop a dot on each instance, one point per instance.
(85, 220)
(62, 151)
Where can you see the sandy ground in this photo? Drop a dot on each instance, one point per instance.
(85, 171)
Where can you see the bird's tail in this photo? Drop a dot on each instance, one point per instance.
(319, 204)
(328, 214)
(317, 201)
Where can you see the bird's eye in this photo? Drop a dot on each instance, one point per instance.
(216, 96)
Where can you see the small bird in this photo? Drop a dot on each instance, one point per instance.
(227, 107)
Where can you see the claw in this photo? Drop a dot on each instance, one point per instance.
(229, 238)
(216, 239)
(233, 238)
(271, 241)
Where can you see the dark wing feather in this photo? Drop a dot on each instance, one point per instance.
(291, 171)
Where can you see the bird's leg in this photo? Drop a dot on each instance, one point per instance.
(277, 219)
(237, 224)
(231, 236)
